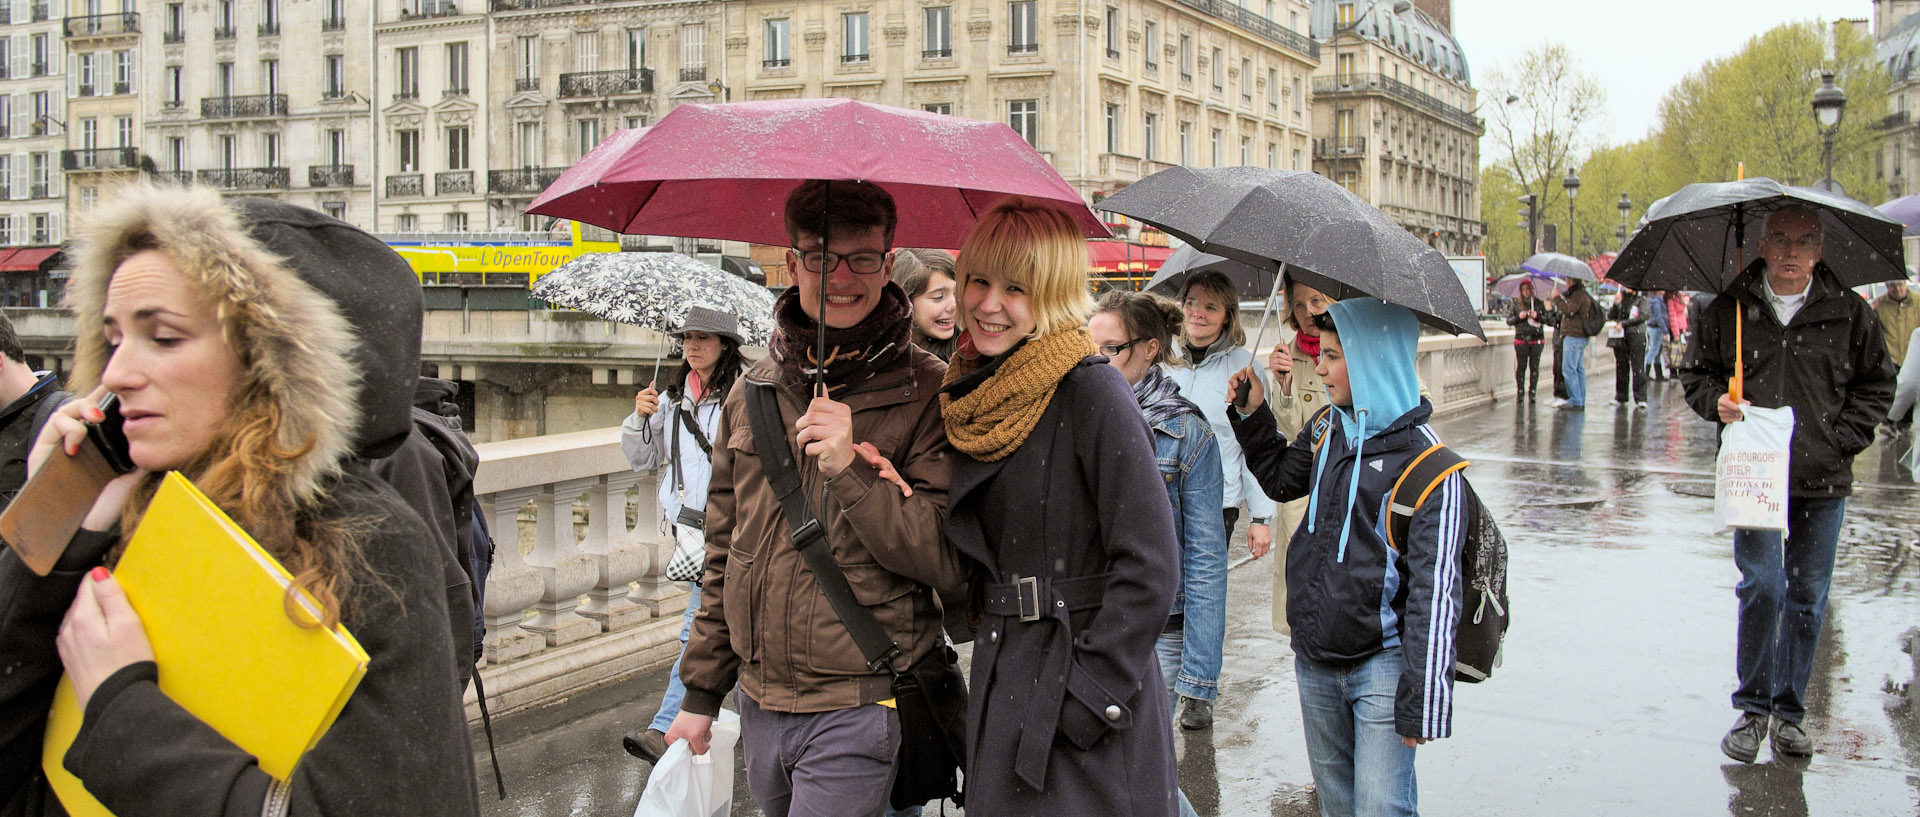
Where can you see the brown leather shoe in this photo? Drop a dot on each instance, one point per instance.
(648, 745)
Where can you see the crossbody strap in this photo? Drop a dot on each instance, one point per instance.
(809, 538)
(1415, 484)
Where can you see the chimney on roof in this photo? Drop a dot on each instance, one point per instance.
(1440, 10)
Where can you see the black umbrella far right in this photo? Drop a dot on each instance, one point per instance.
(1328, 238)
(1696, 238)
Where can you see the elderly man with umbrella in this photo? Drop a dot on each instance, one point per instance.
(1786, 332)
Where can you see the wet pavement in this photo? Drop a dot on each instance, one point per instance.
(1619, 664)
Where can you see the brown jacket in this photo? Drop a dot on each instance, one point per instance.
(763, 621)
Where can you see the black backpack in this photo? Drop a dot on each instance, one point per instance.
(1482, 628)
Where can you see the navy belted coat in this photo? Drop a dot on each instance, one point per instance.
(1067, 713)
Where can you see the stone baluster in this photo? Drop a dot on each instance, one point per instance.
(617, 557)
(652, 590)
(512, 585)
(566, 573)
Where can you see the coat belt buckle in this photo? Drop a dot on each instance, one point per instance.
(1024, 589)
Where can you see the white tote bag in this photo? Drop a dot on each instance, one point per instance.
(1751, 477)
(687, 785)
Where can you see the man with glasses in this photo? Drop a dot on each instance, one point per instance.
(1811, 344)
(818, 730)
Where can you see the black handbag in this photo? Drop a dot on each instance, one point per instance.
(931, 696)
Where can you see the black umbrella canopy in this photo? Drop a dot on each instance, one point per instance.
(1252, 282)
(1695, 238)
(1329, 238)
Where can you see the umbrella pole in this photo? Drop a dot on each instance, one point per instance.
(1266, 310)
(1736, 385)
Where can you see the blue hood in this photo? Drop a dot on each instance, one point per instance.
(1380, 341)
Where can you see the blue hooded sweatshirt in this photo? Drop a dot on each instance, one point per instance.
(1350, 595)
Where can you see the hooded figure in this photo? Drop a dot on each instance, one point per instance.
(323, 322)
(1351, 596)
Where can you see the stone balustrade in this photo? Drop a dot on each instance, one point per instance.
(577, 596)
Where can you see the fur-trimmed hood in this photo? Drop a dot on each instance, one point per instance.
(325, 317)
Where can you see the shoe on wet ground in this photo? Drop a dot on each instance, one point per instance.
(1789, 739)
(1197, 713)
(1742, 742)
(648, 745)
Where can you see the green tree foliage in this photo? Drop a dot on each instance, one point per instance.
(1755, 107)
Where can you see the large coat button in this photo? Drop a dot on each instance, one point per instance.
(993, 637)
(1113, 712)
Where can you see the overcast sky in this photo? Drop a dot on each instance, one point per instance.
(1637, 48)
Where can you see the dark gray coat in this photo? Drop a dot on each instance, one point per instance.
(1068, 715)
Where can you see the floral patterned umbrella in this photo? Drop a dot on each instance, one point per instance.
(655, 290)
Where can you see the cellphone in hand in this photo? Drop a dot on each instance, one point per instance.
(110, 437)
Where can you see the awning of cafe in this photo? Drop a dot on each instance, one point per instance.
(25, 259)
(1122, 257)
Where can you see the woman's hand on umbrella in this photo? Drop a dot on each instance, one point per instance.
(101, 634)
(647, 401)
(826, 433)
(871, 454)
(1280, 362)
(1256, 394)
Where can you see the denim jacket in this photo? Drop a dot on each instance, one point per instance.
(1189, 458)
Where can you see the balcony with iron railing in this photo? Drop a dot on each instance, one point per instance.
(606, 83)
(1333, 148)
(452, 181)
(86, 159)
(179, 177)
(525, 181)
(330, 176)
(402, 185)
(695, 74)
(406, 96)
(1388, 86)
(245, 178)
(270, 29)
(240, 107)
(173, 37)
(333, 23)
(226, 32)
(460, 90)
(39, 69)
(775, 65)
(1897, 119)
(1258, 25)
(102, 25)
(41, 13)
(523, 85)
(1023, 48)
(936, 54)
(6, 13)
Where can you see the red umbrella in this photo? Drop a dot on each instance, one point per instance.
(724, 171)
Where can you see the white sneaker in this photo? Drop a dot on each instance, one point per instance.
(1614, 404)
(1558, 402)
(1641, 404)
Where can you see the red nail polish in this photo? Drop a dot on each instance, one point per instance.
(98, 573)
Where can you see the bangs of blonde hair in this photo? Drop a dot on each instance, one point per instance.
(1036, 246)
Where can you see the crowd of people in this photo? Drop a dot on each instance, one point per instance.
(969, 455)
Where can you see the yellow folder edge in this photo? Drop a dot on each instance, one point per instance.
(64, 718)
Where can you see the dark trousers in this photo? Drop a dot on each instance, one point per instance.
(1526, 366)
(1559, 365)
(1630, 366)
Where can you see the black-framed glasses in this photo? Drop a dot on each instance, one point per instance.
(1114, 351)
(864, 263)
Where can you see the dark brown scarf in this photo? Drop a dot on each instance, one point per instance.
(855, 353)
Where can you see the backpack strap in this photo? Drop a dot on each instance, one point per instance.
(1424, 474)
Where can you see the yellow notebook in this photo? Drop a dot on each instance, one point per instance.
(213, 603)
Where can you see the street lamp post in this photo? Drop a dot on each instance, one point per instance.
(1626, 206)
(1572, 184)
(1828, 103)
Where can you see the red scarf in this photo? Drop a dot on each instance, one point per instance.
(1309, 344)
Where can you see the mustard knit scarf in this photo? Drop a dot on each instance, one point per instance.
(990, 422)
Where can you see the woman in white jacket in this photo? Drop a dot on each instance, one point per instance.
(679, 436)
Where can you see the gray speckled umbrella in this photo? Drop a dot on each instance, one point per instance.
(655, 290)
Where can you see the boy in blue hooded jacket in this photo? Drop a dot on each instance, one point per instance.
(1372, 624)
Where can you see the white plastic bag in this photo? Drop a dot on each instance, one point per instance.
(1752, 475)
(687, 785)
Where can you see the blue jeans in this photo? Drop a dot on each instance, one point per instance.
(1190, 659)
(670, 702)
(1574, 365)
(1783, 604)
(1656, 343)
(1360, 766)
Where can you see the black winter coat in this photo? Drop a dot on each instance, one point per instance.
(1829, 363)
(1068, 714)
(399, 747)
(20, 423)
(1534, 330)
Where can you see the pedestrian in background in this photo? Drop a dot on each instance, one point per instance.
(1529, 317)
(1656, 361)
(1135, 331)
(680, 435)
(1298, 395)
(262, 350)
(1899, 316)
(1072, 532)
(927, 278)
(1213, 340)
(1628, 340)
(1375, 669)
(27, 399)
(1578, 312)
(1811, 344)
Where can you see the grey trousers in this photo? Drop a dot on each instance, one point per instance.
(822, 764)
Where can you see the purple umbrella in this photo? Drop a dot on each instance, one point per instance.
(1905, 210)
